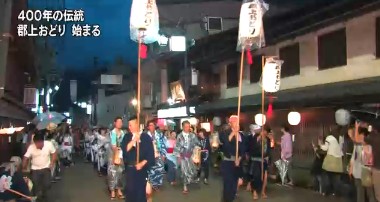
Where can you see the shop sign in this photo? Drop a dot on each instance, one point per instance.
(175, 112)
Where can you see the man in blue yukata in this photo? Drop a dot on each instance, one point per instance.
(156, 173)
(136, 169)
(231, 170)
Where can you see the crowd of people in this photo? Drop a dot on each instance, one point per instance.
(184, 157)
(137, 163)
(44, 152)
(174, 156)
(356, 154)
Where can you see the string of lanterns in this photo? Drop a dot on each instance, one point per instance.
(342, 118)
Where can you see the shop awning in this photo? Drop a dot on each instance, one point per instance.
(341, 93)
(12, 111)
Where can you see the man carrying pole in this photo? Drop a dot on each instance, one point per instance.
(230, 167)
(138, 159)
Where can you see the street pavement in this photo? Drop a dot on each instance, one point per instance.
(81, 183)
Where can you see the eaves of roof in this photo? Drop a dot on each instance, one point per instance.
(339, 93)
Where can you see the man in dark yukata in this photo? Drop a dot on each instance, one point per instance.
(230, 166)
(137, 169)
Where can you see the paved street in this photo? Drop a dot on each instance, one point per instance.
(81, 184)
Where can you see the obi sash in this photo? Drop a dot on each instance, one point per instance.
(186, 155)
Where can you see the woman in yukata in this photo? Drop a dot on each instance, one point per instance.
(171, 159)
(115, 164)
(104, 145)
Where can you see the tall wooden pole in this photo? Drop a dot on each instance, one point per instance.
(239, 99)
(263, 114)
(138, 93)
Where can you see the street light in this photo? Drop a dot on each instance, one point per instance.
(177, 43)
(134, 102)
(56, 88)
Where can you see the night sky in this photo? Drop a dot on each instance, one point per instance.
(76, 55)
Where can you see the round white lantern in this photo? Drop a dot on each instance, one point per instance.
(217, 121)
(206, 126)
(144, 15)
(294, 118)
(342, 117)
(260, 119)
(271, 77)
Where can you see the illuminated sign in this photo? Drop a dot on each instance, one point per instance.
(175, 112)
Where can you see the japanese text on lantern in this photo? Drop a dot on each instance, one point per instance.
(53, 23)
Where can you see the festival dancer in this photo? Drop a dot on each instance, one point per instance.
(115, 165)
(206, 151)
(185, 145)
(230, 167)
(156, 173)
(104, 146)
(171, 159)
(133, 145)
(259, 143)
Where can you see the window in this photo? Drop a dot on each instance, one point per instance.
(378, 37)
(215, 23)
(232, 75)
(256, 69)
(332, 49)
(291, 57)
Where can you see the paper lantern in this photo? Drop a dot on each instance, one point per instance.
(342, 117)
(215, 140)
(260, 119)
(197, 155)
(206, 126)
(217, 121)
(144, 15)
(271, 77)
(251, 29)
(294, 118)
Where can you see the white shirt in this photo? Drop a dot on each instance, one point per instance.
(332, 147)
(356, 162)
(40, 158)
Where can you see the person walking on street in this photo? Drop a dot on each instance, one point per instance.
(136, 169)
(287, 151)
(43, 157)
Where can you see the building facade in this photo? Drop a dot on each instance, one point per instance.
(331, 61)
(12, 48)
(116, 91)
(17, 72)
(194, 20)
(111, 106)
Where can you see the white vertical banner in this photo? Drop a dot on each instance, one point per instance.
(251, 29)
(194, 77)
(144, 15)
(73, 90)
